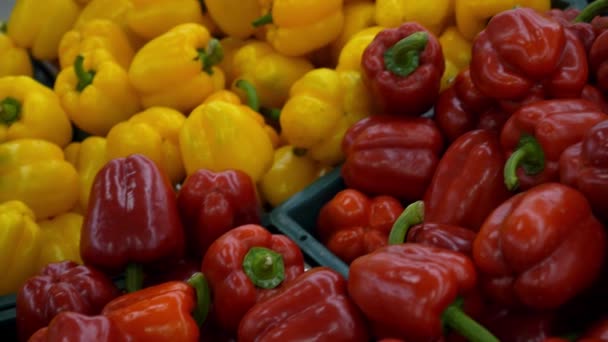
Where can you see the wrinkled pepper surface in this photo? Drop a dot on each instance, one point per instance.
(352, 52)
(245, 266)
(598, 59)
(35, 172)
(177, 69)
(58, 287)
(87, 157)
(28, 109)
(454, 238)
(234, 17)
(352, 224)
(72, 326)
(154, 133)
(60, 239)
(433, 15)
(315, 306)
(540, 248)
(14, 60)
(391, 155)
(403, 67)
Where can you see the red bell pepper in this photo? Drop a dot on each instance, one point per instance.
(352, 224)
(390, 155)
(441, 235)
(403, 67)
(598, 331)
(62, 286)
(519, 325)
(313, 307)
(248, 265)
(75, 327)
(593, 94)
(540, 248)
(585, 166)
(468, 183)
(536, 135)
(521, 49)
(407, 290)
(581, 23)
(132, 220)
(212, 203)
(598, 59)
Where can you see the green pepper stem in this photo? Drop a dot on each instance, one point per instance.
(456, 319)
(529, 155)
(211, 55)
(299, 152)
(264, 267)
(253, 101)
(85, 78)
(591, 11)
(134, 277)
(411, 216)
(273, 114)
(3, 26)
(263, 20)
(10, 110)
(203, 297)
(403, 58)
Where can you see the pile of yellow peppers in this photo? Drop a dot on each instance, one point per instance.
(265, 86)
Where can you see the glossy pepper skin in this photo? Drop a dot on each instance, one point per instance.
(35, 172)
(457, 54)
(74, 327)
(31, 110)
(315, 306)
(351, 53)
(433, 15)
(407, 86)
(153, 133)
(537, 134)
(144, 230)
(20, 245)
(234, 17)
(14, 60)
(177, 69)
(382, 160)
(584, 166)
(96, 93)
(245, 266)
(96, 34)
(537, 51)
(468, 183)
(322, 105)
(598, 59)
(60, 239)
(297, 28)
(269, 72)
(472, 17)
(87, 157)
(352, 224)
(58, 287)
(40, 28)
(454, 238)
(211, 203)
(540, 248)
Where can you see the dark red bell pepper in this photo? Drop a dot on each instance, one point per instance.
(597, 331)
(403, 67)
(598, 59)
(537, 134)
(540, 248)
(581, 23)
(390, 155)
(245, 266)
(585, 166)
(352, 224)
(441, 235)
(62, 286)
(211, 203)
(132, 220)
(468, 183)
(521, 49)
(519, 325)
(180, 271)
(75, 327)
(407, 290)
(593, 94)
(313, 307)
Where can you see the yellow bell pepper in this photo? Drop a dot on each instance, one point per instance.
(19, 245)
(290, 173)
(271, 73)
(457, 54)
(358, 15)
(220, 135)
(14, 60)
(153, 133)
(299, 27)
(40, 26)
(472, 15)
(87, 157)
(60, 239)
(322, 106)
(177, 69)
(93, 35)
(96, 93)
(350, 56)
(30, 110)
(434, 15)
(230, 46)
(234, 17)
(35, 172)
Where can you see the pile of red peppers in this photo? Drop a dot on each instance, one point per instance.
(485, 222)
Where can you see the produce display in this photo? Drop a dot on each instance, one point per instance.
(321, 170)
